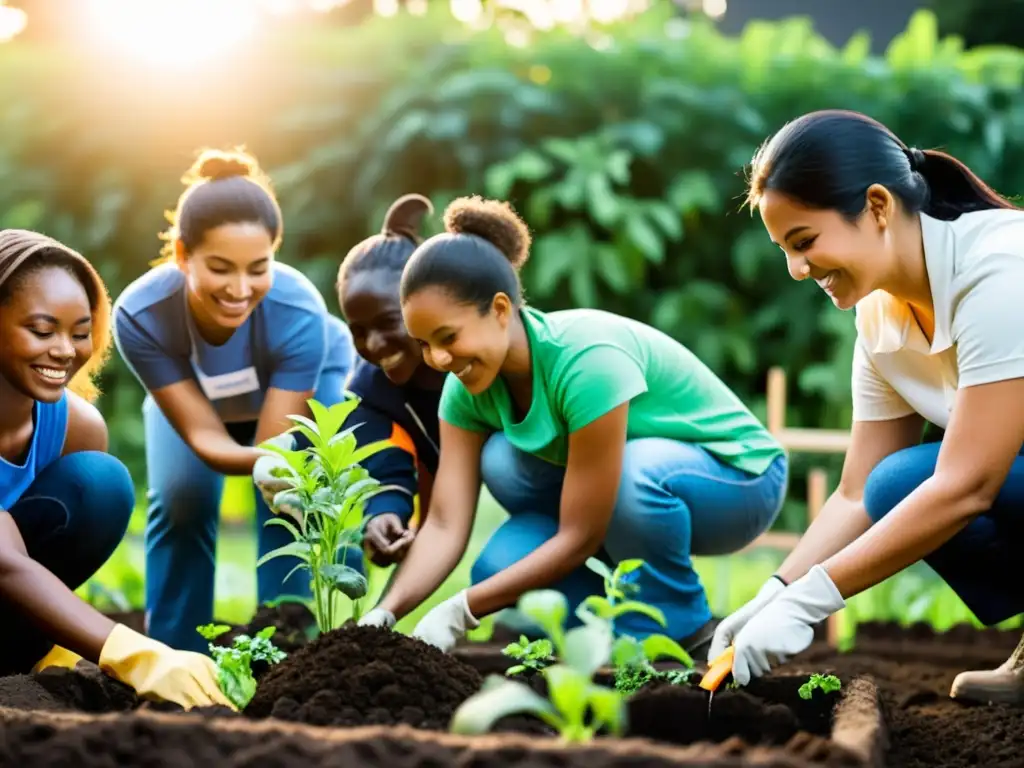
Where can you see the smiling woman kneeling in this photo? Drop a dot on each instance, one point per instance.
(598, 434)
(64, 501)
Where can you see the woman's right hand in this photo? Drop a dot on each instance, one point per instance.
(731, 625)
(157, 671)
(388, 538)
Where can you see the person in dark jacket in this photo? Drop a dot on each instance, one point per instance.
(399, 394)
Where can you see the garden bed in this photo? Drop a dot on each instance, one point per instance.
(372, 698)
(323, 697)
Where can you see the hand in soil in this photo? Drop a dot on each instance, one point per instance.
(388, 538)
(378, 617)
(785, 626)
(157, 671)
(446, 623)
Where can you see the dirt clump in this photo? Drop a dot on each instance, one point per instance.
(365, 676)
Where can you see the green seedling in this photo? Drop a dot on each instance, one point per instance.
(630, 678)
(531, 655)
(234, 662)
(823, 683)
(627, 651)
(572, 694)
(331, 488)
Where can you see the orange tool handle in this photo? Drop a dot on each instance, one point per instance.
(718, 670)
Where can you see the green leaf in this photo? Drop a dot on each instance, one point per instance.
(587, 648)
(299, 549)
(212, 631)
(627, 566)
(266, 633)
(609, 709)
(480, 712)
(345, 579)
(568, 688)
(284, 523)
(661, 646)
(549, 608)
(600, 567)
(627, 651)
(635, 606)
(646, 240)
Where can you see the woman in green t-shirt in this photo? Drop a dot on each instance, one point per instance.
(600, 436)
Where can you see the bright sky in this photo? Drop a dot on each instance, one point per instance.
(177, 33)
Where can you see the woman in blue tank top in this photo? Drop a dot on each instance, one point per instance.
(64, 501)
(228, 342)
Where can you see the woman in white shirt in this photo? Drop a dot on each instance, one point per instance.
(933, 260)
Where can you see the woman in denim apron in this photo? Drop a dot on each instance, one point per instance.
(228, 343)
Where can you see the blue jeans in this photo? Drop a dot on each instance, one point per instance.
(981, 563)
(675, 500)
(71, 518)
(181, 534)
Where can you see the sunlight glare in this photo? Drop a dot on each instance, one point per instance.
(386, 8)
(467, 11)
(172, 32)
(12, 22)
(715, 8)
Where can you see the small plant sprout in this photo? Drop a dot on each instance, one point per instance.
(628, 651)
(234, 662)
(531, 655)
(331, 488)
(572, 693)
(823, 683)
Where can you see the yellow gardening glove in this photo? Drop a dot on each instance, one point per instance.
(157, 671)
(57, 657)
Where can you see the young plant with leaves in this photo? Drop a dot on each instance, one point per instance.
(531, 654)
(823, 683)
(631, 658)
(330, 487)
(234, 662)
(572, 694)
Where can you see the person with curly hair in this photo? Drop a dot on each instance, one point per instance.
(600, 435)
(398, 393)
(228, 342)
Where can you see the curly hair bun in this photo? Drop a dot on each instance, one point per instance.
(494, 221)
(213, 165)
(405, 216)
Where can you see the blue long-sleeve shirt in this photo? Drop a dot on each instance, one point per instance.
(407, 417)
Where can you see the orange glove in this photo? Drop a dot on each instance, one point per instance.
(157, 671)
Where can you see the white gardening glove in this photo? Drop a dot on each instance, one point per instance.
(268, 485)
(784, 627)
(446, 623)
(378, 617)
(733, 623)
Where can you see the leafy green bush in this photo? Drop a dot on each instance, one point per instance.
(625, 152)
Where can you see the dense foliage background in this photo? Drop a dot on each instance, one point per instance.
(625, 151)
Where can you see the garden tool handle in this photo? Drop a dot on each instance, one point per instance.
(718, 670)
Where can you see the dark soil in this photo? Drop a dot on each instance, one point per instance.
(366, 676)
(141, 741)
(294, 623)
(767, 712)
(926, 727)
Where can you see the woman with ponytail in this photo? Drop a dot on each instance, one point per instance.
(933, 261)
(64, 501)
(599, 435)
(227, 342)
(399, 393)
